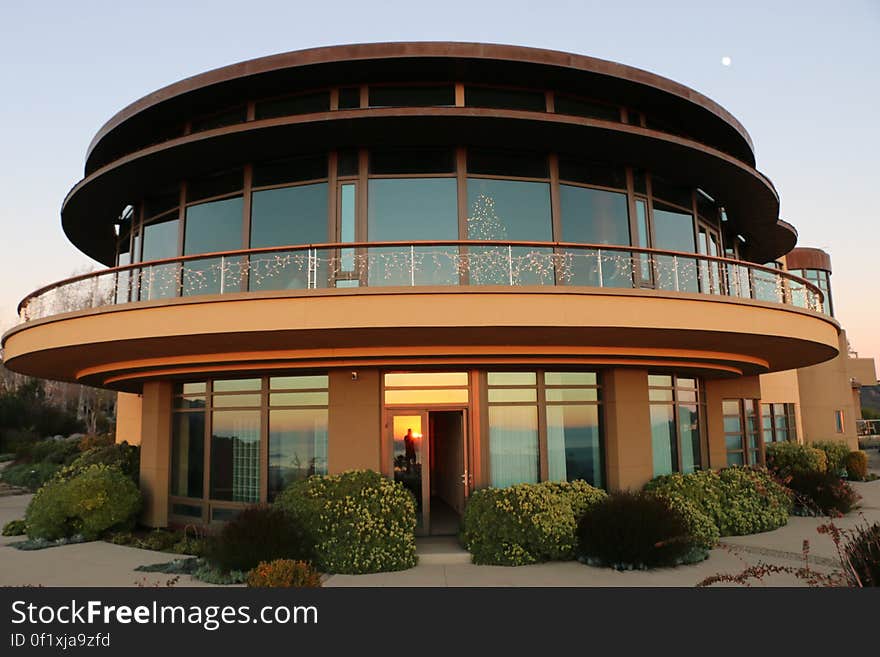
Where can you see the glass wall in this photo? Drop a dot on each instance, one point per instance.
(241, 441)
(676, 410)
(160, 241)
(741, 432)
(549, 416)
(210, 228)
(778, 423)
(674, 231)
(821, 279)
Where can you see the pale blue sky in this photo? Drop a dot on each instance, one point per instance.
(803, 80)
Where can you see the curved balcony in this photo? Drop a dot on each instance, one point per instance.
(396, 304)
(417, 264)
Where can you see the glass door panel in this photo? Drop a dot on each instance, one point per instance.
(410, 458)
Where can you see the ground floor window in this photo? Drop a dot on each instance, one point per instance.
(544, 426)
(239, 441)
(741, 435)
(677, 406)
(778, 423)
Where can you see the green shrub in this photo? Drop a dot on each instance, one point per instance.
(526, 523)
(93, 440)
(857, 466)
(99, 499)
(121, 455)
(700, 526)
(258, 533)
(6, 458)
(862, 552)
(836, 452)
(29, 475)
(822, 493)
(159, 540)
(50, 450)
(787, 459)
(284, 573)
(738, 500)
(15, 528)
(355, 522)
(636, 530)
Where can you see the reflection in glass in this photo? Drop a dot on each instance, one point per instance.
(663, 439)
(689, 426)
(509, 210)
(674, 231)
(235, 456)
(413, 209)
(213, 227)
(513, 445)
(346, 223)
(188, 454)
(160, 242)
(289, 215)
(425, 379)
(408, 456)
(573, 443)
(297, 446)
(298, 382)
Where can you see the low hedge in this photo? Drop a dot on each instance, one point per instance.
(99, 499)
(354, 522)
(836, 452)
(737, 500)
(29, 475)
(526, 523)
(787, 459)
(857, 466)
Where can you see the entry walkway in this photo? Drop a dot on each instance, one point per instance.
(442, 563)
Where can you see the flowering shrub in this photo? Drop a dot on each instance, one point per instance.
(284, 573)
(121, 455)
(822, 493)
(636, 531)
(862, 554)
(98, 499)
(787, 459)
(737, 500)
(836, 452)
(355, 522)
(857, 466)
(526, 523)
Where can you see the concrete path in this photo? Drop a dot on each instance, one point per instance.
(103, 564)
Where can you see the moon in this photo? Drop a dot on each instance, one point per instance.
(726, 61)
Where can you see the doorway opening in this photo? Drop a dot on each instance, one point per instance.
(430, 460)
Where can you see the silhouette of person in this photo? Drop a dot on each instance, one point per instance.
(409, 443)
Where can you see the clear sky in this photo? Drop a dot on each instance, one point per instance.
(803, 79)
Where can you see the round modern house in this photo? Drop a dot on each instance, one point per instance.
(461, 265)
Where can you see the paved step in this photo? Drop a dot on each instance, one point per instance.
(441, 551)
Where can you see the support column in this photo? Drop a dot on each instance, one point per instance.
(355, 423)
(155, 452)
(128, 418)
(628, 455)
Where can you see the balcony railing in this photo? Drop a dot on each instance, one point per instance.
(414, 264)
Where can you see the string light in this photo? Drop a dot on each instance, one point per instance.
(425, 265)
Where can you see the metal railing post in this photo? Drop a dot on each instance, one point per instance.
(510, 265)
(675, 271)
(599, 267)
(412, 265)
(222, 274)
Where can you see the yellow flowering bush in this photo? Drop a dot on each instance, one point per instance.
(356, 522)
(526, 523)
(98, 499)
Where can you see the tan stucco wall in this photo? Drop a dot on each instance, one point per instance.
(355, 429)
(717, 390)
(155, 452)
(783, 388)
(863, 370)
(824, 389)
(628, 455)
(128, 418)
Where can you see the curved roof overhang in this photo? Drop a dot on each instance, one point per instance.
(749, 198)
(467, 62)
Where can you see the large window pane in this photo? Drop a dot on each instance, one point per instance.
(663, 439)
(513, 445)
(213, 227)
(404, 209)
(160, 242)
(573, 443)
(297, 446)
(595, 216)
(235, 456)
(188, 454)
(509, 210)
(674, 231)
(290, 215)
(689, 428)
